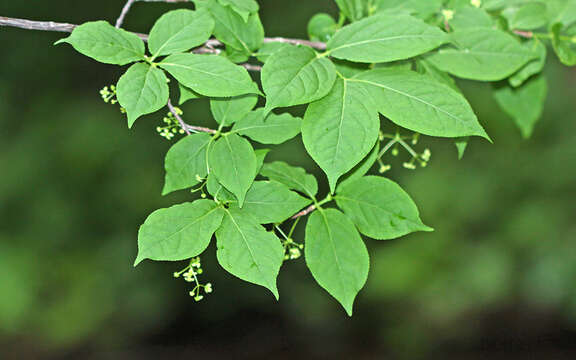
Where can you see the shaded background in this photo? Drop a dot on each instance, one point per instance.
(497, 279)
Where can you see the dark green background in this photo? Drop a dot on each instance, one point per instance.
(497, 279)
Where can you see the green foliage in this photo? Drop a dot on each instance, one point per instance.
(166, 232)
(525, 103)
(185, 163)
(384, 63)
(227, 111)
(385, 38)
(209, 75)
(293, 177)
(296, 75)
(248, 251)
(104, 43)
(270, 129)
(180, 30)
(482, 54)
(233, 162)
(243, 7)
(379, 207)
(271, 202)
(142, 90)
(421, 104)
(340, 129)
(240, 35)
(336, 255)
(321, 27)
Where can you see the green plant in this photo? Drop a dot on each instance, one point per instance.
(381, 58)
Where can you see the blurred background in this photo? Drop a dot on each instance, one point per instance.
(497, 279)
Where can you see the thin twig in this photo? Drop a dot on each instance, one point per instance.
(304, 212)
(124, 12)
(251, 67)
(65, 27)
(187, 128)
(36, 25)
(524, 34)
(178, 117)
(313, 44)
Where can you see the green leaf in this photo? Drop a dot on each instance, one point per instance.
(270, 48)
(420, 8)
(348, 69)
(336, 255)
(340, 130)
(272, 129)
(243, 7)
(564, 48)
(363, 167)
(295, 75)
(142, 90)
(353, 9)
(385, 38)
(293, 177)
(321, 27)
(470, 17)
(248, 251)
(237, 57)
(379, 208)
(562, 11)
(526, 16)
(227, 111)
(179, 232)
(218, 191)
(187, 94)
(425, 67)
(105, 43)
(186, 162)
(421, 104)
(533, 67)
(482, 54)
(179, 31)
(233, 162)
(260, 157)
(210, 75)
(494, 5)
(230, 28)
(525, 103)
(271, 202)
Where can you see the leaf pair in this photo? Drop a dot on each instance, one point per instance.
(341, 129)
(245, 248)
(335, 252)
(183, 231)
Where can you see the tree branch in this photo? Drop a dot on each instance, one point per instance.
(304, 212)
(65, 27)
(124, 12)
(524, 34)
(187, 128)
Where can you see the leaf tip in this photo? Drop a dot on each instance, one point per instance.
(427, 228)
(275, 292)
(62, 41)
(131, 119)
(138, 260)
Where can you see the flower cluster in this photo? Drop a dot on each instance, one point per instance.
(292, 249)
(172, 126)
(395, 143)
(108, 94)
(190, 274)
